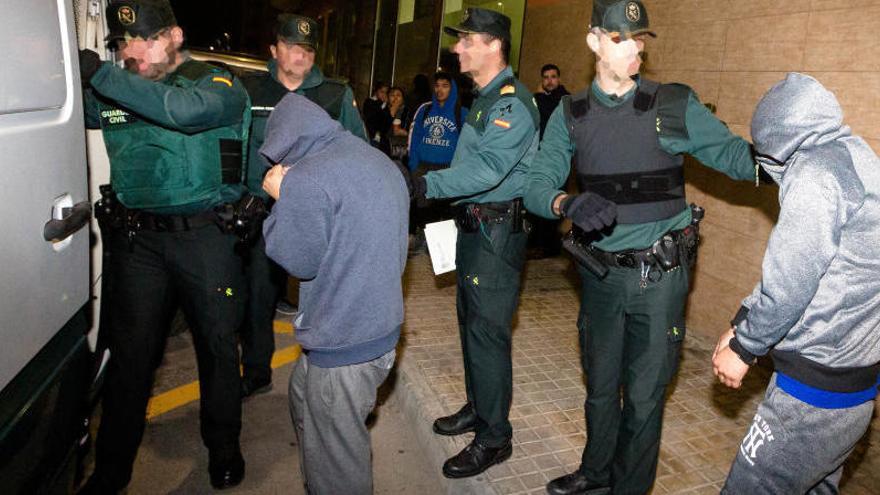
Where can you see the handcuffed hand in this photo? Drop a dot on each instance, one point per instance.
(589, 211)
(272, 180)
(727, 365)
(89, 63)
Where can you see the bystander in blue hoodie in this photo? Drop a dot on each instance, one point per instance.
(435, 128)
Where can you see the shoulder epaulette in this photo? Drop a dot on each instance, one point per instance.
(195, 69)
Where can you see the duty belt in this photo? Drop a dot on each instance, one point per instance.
(469, 216)
(665, 253)
(144, 220)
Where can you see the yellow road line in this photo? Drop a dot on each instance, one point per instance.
(184, 394)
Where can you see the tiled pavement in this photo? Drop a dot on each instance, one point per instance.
(704, 422)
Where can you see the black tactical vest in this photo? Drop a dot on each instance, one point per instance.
(266, 92)
(618, 153)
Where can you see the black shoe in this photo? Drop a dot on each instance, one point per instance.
(255, 385)
(461, 422)
(575, 484)
(226, 470)
(474, 459)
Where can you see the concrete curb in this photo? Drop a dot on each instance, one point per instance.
(420, 407)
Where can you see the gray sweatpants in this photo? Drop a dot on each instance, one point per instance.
(792, 447)
(329, 408)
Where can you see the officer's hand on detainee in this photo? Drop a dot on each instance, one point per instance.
(272, 180)
(89, 63)
(589, 211)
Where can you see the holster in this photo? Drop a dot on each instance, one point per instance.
(469, 216)
(673, 249)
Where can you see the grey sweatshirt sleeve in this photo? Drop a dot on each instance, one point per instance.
(298, 231)
(815, 207)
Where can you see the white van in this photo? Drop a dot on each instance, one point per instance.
(45, 364)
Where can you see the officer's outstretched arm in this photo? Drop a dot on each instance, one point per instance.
(510, 131)
(711, 142)
(550, 168)
(216, 100)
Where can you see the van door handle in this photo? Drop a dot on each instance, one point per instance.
(73, 219)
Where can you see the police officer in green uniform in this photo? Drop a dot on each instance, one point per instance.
(636, 232)
(488, 177)
(174, 130)
(292, 68)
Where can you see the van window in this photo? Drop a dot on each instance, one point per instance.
(32, 75)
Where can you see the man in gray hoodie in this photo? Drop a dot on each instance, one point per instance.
(816, 310)
(339, 225)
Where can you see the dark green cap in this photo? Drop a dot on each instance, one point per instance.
(138, 18)
(482, 21)
(297, 29)
(627, 17)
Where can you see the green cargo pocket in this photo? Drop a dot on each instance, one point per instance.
(674, 338)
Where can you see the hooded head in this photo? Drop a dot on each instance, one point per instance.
(297, 128)
(796, 114)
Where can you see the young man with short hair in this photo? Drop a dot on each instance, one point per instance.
(628, 135)
(488, 171)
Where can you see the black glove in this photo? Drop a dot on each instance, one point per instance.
(89, 63)
(404, 171)
(420, 191)
(589, 211)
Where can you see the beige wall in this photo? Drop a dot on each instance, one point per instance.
(730, 52)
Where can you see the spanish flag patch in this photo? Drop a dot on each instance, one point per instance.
(501, 123)
(222, 80)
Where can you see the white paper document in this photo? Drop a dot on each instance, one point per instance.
(441, 238)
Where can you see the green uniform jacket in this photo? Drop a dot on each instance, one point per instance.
(493, 165)
(348, 116)
(709, 141)
(164, 135)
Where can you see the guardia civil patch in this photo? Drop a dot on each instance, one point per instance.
(633, 12)
(126, 15)
(112, 117)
